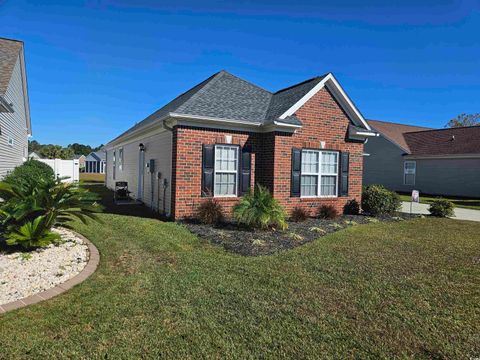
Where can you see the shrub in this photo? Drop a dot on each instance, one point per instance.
(210, 212)
(299, 214)
(377, 200)
(352, 207)
(441, 208)
(327, 212)
(30, 172)
(30, 210)
(260, 209)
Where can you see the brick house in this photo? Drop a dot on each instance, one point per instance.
(304, 142)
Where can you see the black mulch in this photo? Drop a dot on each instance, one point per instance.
(250, 242)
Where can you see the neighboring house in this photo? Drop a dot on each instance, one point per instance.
(34, 156)
(15, 125)
(81, 161)
(434, 161)
(95, 162)
(304, 142)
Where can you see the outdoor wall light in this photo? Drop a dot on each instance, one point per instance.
(141, 147)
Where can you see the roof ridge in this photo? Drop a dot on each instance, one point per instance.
(300, 83)
(204, 82)
(208, 83)
(444, 129)
(243, 80)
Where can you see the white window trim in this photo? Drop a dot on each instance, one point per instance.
(319, 175)
(120, 159)
(405, 172)
(114, 165)
(236, 172)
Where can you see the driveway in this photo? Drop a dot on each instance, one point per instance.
(460, 213)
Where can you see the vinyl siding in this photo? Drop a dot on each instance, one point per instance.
(13, 125)
(384, 165)
(454, 177)
(159, 148)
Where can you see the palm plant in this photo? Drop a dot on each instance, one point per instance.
(260, 209)
(51, 201)
(32, 234)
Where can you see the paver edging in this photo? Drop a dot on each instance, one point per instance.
(87, 271)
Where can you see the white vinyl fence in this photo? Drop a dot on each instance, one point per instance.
(68, 169)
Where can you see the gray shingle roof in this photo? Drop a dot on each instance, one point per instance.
(283, 99)
(9, 51)
(225, 96)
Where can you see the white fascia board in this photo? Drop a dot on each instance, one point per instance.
(25, 91)
(216, 120)
(339, 93)
(305, 98)
(228, 125)
(152, 128)
(172, 119)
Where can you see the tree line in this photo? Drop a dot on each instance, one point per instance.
(51, 151)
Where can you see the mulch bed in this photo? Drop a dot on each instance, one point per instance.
(248, 242)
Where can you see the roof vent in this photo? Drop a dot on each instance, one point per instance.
(453, 137)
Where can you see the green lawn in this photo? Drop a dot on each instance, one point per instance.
(407, 289)
(92, 178)
(459, 202)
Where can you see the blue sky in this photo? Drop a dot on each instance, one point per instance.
(97, 67)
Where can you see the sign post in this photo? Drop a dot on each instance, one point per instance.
(415, 198)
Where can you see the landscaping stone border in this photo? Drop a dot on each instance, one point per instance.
(89, 269)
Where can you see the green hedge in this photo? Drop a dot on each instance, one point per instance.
(441, 208)
(30, 172)
(377, 200)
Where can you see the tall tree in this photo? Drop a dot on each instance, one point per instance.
(56, 152)
(33, 145)
(80, 149)
(464, 120)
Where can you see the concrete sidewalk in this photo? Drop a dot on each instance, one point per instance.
(460, 213)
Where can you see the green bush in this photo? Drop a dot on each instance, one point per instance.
(29, 173)
(352, 207)
(260, 209)
(377, 200)
(299, 214)
(327, 212)
(30, 210)
(441, 208)
(210, 212)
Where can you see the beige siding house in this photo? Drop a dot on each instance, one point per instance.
(15, 127)
(151, 185)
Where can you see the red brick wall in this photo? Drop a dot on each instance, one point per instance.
(187, 166)
(323, 120)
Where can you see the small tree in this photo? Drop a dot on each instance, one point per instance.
(464, 120)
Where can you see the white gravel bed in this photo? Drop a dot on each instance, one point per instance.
(24, 274)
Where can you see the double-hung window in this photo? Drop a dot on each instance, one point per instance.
(409, 170)
(226, 170)
(319, 173)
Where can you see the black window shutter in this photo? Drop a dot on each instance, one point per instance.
(245, 171)
(208, 158)
(296, 172)
(344, 167)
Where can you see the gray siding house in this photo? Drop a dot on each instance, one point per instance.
(434, 161)
(15, 127)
